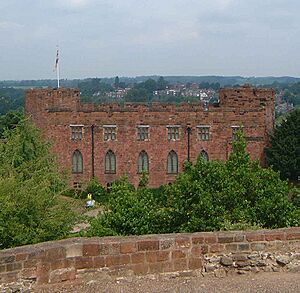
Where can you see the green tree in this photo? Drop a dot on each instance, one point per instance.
(9, 121)
(205, 197)
(284, 153)
(31, 210)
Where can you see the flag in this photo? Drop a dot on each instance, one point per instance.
(56, 60)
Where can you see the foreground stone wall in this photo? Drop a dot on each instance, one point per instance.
(219, 253)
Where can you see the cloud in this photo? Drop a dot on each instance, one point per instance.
(8, 25)
(73, 4)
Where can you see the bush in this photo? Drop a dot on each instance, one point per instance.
(205, 197)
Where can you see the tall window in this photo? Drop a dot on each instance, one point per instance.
(203, 132)
(204, 155)
(173, 132)
(110, 162)
(110, 132)
(172, 163)
(143, 163)
(76, 132)
(77, 162)
(143, 132)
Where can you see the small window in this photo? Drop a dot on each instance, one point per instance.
(143, 132)
(173, 132)
(110, 132)
(172, 163)
(235, 130)
(77, 185)
(204, 156)
(76, 132)
(143, 163)
(110, 162)
(77, 162)
(203, 132)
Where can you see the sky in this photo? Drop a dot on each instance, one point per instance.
(106, 38)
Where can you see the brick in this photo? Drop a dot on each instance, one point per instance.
(183, 242)
(163, 256)
(271, 236)
(167, 243)
(255, 236)
(293, 235)
(195, 263)
(225, 239)
(7, 259)
(104, 249)
(178, 254)
(43, 270)
(114, 248)
(151, 256)
(204, 249)
(148, 245)
(8, 277)
(30, 263)
(243, 246)
(180, 264)
(196, 251)
(56, 253)
(61, 263)
(155, 268)
(30, 273)
(138, 257)
(16, 266)
(210, 239)
(198, 239)
(216, 247)
(83, 262)
(98, 261)
(231, 247)
(92, 249)
(139, 269)
(258, 246)
(239, 238)
(61, 275)
(2, 268)
(74, 250)
(116, 260)
(21, 256)
(128, 247)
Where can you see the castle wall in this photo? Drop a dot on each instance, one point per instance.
(54, 110)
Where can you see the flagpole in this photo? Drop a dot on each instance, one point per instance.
(57, 67)
(57, 74)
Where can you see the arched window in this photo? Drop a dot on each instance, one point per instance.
(110, 162)
(172, 163)
(77, 162)
(204, 156)
(143, 163)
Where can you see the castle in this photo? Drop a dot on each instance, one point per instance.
(109, 140)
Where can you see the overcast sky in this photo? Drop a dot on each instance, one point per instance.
(142, 37)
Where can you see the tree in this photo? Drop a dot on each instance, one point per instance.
(284, 153)
(208, 196)
(31, 210)
(9, 121)
(117, 82)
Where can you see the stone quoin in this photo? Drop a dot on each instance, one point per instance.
(108, 141)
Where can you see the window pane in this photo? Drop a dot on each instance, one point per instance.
(77, 162)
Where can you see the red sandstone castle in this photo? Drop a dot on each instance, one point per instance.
(108, 141)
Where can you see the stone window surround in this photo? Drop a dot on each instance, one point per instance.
(76, 131)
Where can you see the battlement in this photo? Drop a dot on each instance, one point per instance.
(66, 99)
